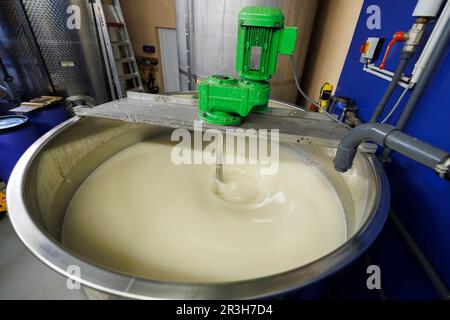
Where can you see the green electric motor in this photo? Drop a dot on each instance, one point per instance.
(224, 100)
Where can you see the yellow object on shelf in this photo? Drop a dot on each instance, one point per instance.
(2, 202)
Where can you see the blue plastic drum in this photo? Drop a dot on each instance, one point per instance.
(16, 135)
(46, 118)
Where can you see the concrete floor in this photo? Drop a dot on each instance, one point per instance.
(23, 276)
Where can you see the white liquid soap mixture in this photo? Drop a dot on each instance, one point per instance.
(140, 214)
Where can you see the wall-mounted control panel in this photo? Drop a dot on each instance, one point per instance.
(370, 49)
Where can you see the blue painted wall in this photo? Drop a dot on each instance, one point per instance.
(420, 199)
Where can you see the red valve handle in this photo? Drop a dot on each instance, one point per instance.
(398, 37)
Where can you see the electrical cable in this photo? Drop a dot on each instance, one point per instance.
(392, 86)
(293, 67)
(395, 107)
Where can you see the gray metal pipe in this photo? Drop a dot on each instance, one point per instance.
(426, 266)
(392, 86)
(415, 149)
(425, 78)
(413, 39)
(389, 136)
(423, 83)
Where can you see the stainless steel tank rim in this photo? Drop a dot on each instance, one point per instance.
(54, 255)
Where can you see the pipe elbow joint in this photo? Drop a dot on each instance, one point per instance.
(347, 149)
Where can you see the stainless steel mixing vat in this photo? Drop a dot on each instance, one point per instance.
(51, 170)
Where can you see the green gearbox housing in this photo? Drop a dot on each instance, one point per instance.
(224, 100)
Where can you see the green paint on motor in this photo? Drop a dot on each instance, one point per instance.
(224, 100)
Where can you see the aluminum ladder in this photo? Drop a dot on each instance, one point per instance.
(121, 67)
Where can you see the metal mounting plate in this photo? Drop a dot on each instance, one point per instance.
(297, 126)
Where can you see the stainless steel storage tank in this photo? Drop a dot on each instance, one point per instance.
(46, 56)
(207, 35)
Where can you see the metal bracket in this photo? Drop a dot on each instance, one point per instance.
(175, 112)
(387, 75)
